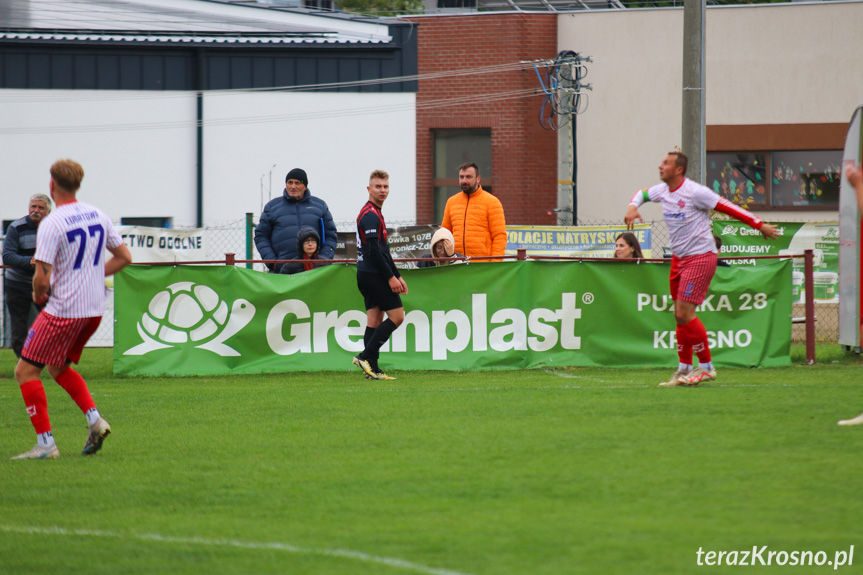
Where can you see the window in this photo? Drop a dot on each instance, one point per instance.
(453, 148)
(806, 178)
(783, 180)
(151, 222)
(739, 178)
(457, 4)
(318, 4)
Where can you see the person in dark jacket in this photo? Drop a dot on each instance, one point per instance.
(283, 217)
(18, 250)
(308, 245)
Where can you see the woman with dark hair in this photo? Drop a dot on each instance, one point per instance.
(309, 250)
(626, 246)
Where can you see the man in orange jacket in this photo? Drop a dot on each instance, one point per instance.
(475, 217)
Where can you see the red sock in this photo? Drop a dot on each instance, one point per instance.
(684, 348)
(698, 338)
(37, 405)
(76, 387)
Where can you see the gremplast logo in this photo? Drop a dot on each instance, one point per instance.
(728, 231)
(185, 313)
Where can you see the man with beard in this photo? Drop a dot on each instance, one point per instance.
(475, 217)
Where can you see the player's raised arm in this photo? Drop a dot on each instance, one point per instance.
(632, 211)
(725, 207)
(769, 231)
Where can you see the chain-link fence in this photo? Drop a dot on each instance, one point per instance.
(237, 237)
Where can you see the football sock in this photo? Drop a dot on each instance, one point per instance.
(697, 336)
(367, 338)
(76, 387)
(37, 405)
(684, 367)
(379, 338)
(706, 366)
(684, 348)
(45, 439)
(92, 415)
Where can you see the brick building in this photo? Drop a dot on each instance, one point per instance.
(516, 155)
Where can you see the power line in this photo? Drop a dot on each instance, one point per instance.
(116, 95)
(472, 98)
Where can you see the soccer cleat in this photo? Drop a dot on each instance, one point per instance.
(364, 365)
(40, 452)
(98, 432)
(676, 379)
(699, 375)
(853, 421)
(379, 373)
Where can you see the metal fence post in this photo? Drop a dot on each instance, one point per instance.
(809, 283)
(250, 225)
(230, 259)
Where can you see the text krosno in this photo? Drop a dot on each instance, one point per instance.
(538, 329)
(761, 556)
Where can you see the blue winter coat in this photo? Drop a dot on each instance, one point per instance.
(276, 233)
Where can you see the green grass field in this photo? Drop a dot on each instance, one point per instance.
(593, 471)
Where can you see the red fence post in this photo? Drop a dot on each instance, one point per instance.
(230, 259)
(809, 284)
(522, 254)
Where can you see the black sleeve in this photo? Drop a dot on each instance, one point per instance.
(376, 257)
(428, 263)
(291, 268)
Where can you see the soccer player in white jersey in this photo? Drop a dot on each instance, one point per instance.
(70, 277)
(686, 206)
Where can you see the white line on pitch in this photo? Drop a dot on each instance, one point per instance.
(358, 555)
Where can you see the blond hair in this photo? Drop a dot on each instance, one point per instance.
(67, 174)
(379, 175)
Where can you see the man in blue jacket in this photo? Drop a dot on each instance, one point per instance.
(276, 233)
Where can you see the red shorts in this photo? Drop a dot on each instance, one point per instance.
(55, 340)
(690, 277)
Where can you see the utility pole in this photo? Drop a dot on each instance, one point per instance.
(693, 140)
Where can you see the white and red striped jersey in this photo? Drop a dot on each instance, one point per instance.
(687, 214)
(73, 238)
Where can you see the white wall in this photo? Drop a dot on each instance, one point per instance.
(139, 156)
(765, 64)
(338, 139)
(131, 168)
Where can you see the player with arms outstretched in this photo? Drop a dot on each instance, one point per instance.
(70, 262)
(686, 206)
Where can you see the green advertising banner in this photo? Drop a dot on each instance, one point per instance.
(739, 240)
(197, 320)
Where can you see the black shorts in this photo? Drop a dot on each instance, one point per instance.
(377, 292)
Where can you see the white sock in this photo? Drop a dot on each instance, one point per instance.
(92, 416)
(684, 367)
(707, 366)
(45, 439)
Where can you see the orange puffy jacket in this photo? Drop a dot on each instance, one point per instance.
(477, 223)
